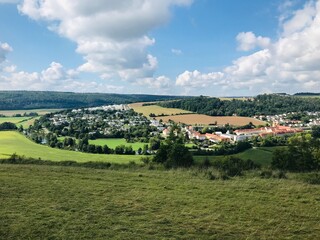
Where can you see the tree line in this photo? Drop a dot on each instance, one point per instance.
(13, 100)
(266, 104)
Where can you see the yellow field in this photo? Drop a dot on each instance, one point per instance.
(201, 119)
(157, 110)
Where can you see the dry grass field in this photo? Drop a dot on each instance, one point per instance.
(201, 119)
(157, 110)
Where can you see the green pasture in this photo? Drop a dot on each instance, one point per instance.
(14, 120)
(39, 111)
(14, 142)
(261, 155)
(46, 202)
(114, 142)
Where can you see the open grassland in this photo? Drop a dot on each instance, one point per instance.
(201, 119)
(24, 121)
(262, 156)
(155, 109)
(114, 142)
(14, 120)
(13, 142)
(46, 202)
(39, 111)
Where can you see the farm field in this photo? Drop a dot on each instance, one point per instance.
(42, 202)
(14, 142)
(39, 111)
(114, 142)
(201, 119)
(157, 110)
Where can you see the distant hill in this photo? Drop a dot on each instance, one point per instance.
(12, 100)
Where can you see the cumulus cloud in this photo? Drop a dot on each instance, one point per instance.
(161, 82)
(4, 50)
(249, 41)
(55, 78)
(289, 64)
(111, 35)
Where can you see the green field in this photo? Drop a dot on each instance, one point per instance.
(14, 142)
(261, 155)
(39, 111)
(14, 120)
(46, 202)
(114, 142)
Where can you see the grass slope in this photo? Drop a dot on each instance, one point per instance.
(42, 202)
(114, 142)
(261, 155)
(39, 111)
(13, 142)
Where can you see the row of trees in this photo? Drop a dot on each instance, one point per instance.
(301, 154)
(11, 100)
(267, 104)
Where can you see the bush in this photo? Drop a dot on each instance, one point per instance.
(311, 178)
(233, 166)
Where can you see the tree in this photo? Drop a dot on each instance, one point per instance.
(173, 155)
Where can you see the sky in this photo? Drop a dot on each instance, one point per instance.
(167, 47)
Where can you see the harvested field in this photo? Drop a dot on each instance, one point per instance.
(155, 109)
(201, 119)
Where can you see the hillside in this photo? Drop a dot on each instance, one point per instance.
(13, 100)
(75, 203)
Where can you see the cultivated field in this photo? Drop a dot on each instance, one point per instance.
(14, 142)
(46, 202)
(201, 119)
(155, 109)
(39, 111)
(114, 142)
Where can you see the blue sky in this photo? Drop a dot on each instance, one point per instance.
(180, 47)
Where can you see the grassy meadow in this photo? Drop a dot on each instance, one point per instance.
(10, 113)
(14, 142)
(114, 142)
(262, 156)
(15, 120)
(46, 202)
(155, 109)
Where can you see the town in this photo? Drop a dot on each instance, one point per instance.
(64, 129)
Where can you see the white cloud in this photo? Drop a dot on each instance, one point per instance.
(176, 51)
(161, 82)
(196, 79)
(248, 41)
(111, 35)
(55, 78)
(290, 64)
(4, 50)
(301, 19)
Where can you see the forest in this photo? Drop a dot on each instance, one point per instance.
(16, 100)
(266, 104)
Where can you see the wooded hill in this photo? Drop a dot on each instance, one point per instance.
(267, 104)
(12, 100)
